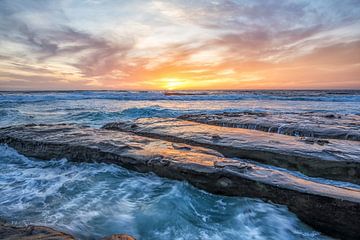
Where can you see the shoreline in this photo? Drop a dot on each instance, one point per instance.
(314, 203)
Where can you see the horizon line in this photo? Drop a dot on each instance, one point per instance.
(184, 90)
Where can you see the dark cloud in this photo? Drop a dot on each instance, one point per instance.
(98, 55)
(93, 55)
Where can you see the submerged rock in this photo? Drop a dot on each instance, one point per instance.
(308, 124)
(12, 232)
(335, 159)
(330, 209)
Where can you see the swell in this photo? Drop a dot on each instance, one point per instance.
(323, 96)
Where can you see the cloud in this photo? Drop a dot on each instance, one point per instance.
(337, 54)
(136, 44)
(92, 55)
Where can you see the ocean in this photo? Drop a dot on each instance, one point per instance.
(92, 200)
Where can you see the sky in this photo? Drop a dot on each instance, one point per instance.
(179, 45)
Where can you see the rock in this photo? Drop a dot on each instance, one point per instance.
(308, 124)
(330, 116)
(312, 140)
(119, 237)
(216, 137)
(11, 232)
(330, 209)
(335, 159)
(31, 232)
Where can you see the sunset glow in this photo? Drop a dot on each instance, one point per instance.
(179, 45)
(173, 83)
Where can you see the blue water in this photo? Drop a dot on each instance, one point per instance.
(95, 108)
(94, 200)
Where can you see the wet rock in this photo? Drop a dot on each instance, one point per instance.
(31, 232)
(335, 159)
(311, 140)
(119, 237)
(133, 126)
(181, 146)
(330, 209)
(330, 116)
(11, 232)
(215, 137)
(310, 124)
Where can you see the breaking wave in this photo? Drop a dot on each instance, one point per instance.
(92, 200)
(327, 96)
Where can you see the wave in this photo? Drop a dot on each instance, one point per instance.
(91, 200)
(139, 112)
(329, 96)
(152, 111)
(101, 117)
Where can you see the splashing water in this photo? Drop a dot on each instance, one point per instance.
(99, 107)
(95, 200)
(92, 200)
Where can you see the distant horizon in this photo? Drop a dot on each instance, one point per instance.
(179, 45)
(179, 90)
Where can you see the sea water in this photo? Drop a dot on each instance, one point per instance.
(91, 200)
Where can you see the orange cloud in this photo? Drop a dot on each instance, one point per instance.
(177, 45)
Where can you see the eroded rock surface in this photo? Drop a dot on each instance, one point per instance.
(335, 159)
(310, 124)
(11, 232)
(119, 237)
(330, 209)
(31, 232)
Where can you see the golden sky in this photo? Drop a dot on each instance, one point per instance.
(179, 45)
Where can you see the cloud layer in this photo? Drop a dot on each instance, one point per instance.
(225, 44)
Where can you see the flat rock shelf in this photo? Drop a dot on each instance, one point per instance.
(333, 159)
(309, 124)
(330, 209)
(12, 232)
(31, 232)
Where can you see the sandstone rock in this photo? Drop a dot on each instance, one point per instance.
(308, 124)
(330, 209)
(11, 232)
(334, 159)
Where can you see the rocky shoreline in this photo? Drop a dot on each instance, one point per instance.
(13, 232)
(31, 232)
(309, 124)
(332, 159)
(330, 209)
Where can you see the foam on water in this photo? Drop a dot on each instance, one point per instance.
(328, 96)
(96, 112)
(97, 199)
(94, 200)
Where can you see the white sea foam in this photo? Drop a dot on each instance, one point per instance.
(330, 96)
(96, 112)
(98, 199)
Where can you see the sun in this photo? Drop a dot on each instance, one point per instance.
(172, 83)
